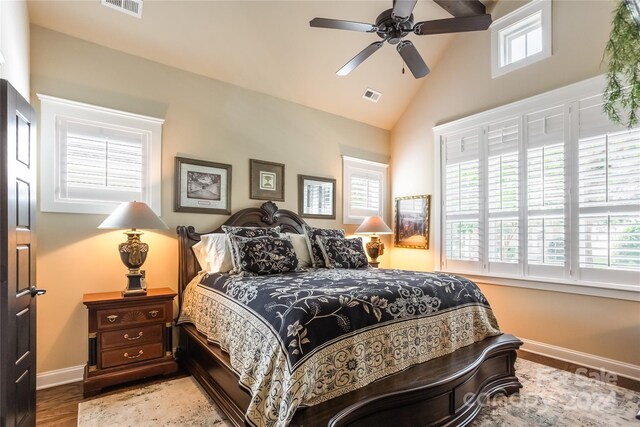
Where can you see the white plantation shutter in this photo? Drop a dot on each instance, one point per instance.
(546, 192)
(364, 189)
(608, 195)
(546, 188)
(101, 163)
(461, 154)
(94, 158)
(503, 193)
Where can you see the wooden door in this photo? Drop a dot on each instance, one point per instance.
(17, 254)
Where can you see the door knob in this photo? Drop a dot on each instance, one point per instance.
(35, 291)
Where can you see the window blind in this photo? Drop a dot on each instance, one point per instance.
(546, 187)
(503, 191)
(462, 200)
(551, 191)
(364, 189)
(101, 163)
(608, 192)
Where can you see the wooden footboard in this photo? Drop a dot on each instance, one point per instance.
(448, 390)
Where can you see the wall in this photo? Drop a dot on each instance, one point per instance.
(205, 119)
(461, 85)
(14, 44)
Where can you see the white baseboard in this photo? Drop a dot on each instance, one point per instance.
(584, 359)
(59, 377)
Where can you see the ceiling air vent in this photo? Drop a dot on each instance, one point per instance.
(372, 95)
(130, 7)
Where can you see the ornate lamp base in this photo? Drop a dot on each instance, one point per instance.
(375, 248)
(133, 254)
(134, 286)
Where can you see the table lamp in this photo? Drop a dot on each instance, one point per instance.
(374, 225)
(133, 253)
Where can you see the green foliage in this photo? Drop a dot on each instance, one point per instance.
(622, 95)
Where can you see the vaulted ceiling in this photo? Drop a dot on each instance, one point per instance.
(266, 46)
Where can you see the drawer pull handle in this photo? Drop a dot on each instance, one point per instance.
(135, 356)
(127, 337)
(112, 318)
(154, 313)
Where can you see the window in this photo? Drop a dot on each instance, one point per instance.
(521, 37)
(364, 189)
(543, 188)
(94, 158)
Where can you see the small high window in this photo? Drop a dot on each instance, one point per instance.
(94, 158)
(521, 37)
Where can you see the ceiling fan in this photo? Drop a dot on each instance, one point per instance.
(393, 25)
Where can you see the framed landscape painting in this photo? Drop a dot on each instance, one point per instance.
(202, 186)
(266, 180)
(411, 225)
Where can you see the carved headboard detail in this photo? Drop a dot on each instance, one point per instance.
(267, 215)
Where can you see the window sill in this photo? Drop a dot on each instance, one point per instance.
(602, 290)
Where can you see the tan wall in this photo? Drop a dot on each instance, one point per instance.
(14, 44)
(461, 85)
(205, 119)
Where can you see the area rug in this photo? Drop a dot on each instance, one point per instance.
(549, 397)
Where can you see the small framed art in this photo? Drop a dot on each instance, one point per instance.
(202, 187)
(266, 180)
(316, 197)
(411, 225)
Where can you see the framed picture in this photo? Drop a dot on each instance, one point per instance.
(316, 197)
(411, 229)
(266, 180)
(202, 187)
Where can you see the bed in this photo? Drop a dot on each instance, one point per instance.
(444, 390)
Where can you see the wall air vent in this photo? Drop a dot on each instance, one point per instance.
(130, 7)
(372, 95)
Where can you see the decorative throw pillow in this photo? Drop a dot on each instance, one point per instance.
(265, 255)
(299, 242)
(342, 253)
(317, 259)
(247, 232)
(213, 252)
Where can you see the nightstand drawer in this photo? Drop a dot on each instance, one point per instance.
(130, 316)
(132, 354)
(131, 336)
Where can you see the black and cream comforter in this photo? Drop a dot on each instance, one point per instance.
(302, 338)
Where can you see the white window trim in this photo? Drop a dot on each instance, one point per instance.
(544, 6)
(348, 162)
(565, 95)
(51, 109)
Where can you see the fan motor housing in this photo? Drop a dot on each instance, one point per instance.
(392, 29)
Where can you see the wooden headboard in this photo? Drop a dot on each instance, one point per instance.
(267, 215)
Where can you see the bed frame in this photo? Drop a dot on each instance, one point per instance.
(448, 390)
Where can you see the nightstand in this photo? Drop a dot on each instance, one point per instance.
(129, 337)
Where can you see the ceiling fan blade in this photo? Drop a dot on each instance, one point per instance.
(453, 25)
(412, 58)
(343, 25)
(402, 9)
(359, 58)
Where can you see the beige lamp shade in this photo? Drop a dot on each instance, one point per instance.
(373, 225)
(133, 215)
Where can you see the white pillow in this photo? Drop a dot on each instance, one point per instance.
(213, 252)
(301, 248)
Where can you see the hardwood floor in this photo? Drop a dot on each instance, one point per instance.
(58, 406)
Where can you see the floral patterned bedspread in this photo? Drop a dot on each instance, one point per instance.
(302, 338)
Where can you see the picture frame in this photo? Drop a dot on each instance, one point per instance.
(316, 197)
(411, 222)
(266, 180)
(202, 186)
